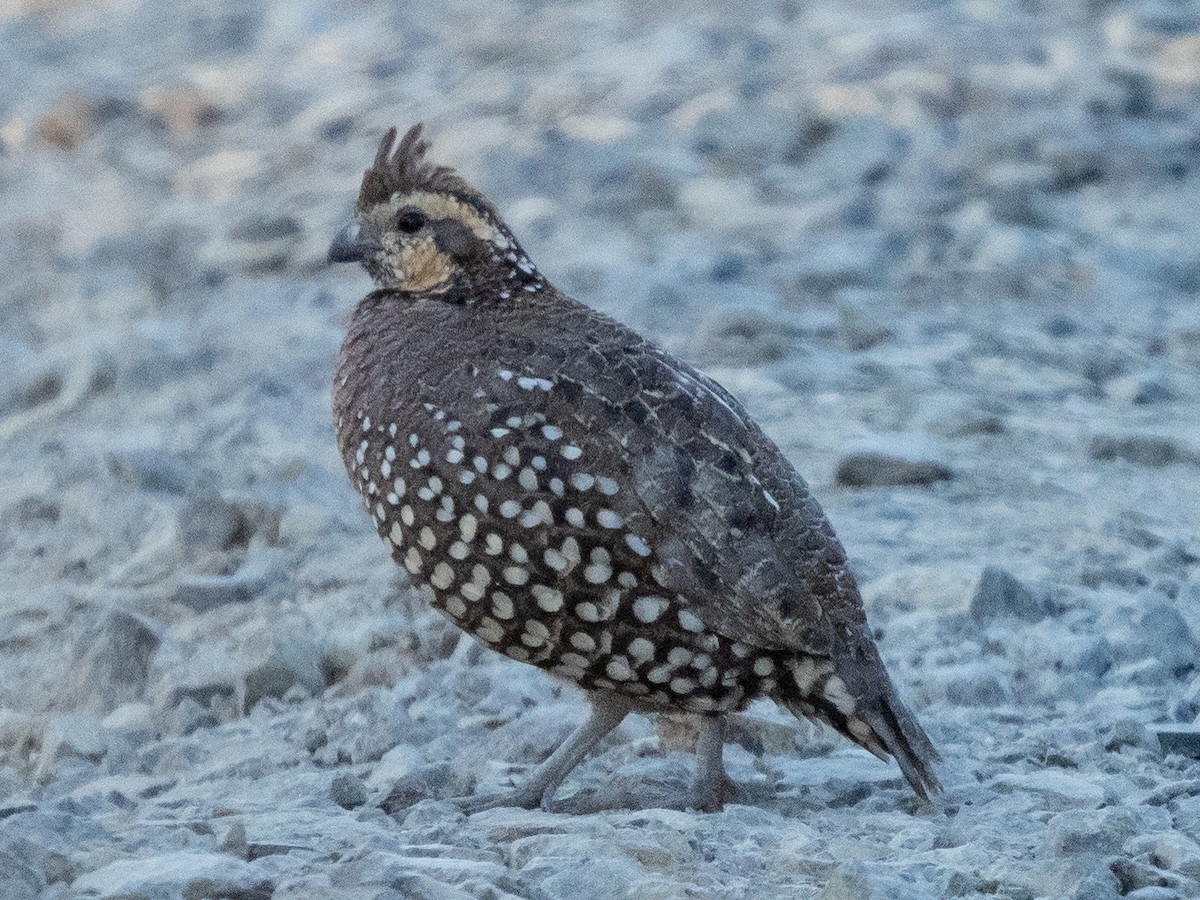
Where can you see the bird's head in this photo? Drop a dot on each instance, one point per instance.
(420, 228)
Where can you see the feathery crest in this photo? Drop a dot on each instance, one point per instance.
(405, 170)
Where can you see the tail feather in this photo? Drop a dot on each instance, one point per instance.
(906, 742)
(868, 712)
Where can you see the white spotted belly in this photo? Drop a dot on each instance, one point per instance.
(527, 541)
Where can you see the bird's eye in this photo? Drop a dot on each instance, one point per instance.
(410, 221)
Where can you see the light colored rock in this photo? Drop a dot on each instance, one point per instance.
(857, 328)
(289, 661)
(1091, 655)
(397, 763)
(19, 880)
(179, 873)
(588, 879)
(972, 685)
(941, 589)
(746, 337)
(447, 869)
(1058, 790)
(1151, 450)
(151, 468)
(1102, 832)
(1096, 885)
(850, 886)
(123, 790)
(1151, 629)
(72, 735)
(113, 660)
(431, 781)
(200, 593)
(234, 842)
(1170, 850)
(134, 722)
(1151, 386)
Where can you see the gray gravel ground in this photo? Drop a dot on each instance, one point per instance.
(948, 253)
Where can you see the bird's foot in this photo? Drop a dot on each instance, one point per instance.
(520, 798)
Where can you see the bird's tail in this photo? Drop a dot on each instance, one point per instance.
(859, 701)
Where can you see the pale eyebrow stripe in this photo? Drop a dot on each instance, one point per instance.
(441, 206)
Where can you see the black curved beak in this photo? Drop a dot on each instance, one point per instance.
(348, 246)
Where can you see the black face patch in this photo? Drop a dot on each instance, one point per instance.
(455, 238)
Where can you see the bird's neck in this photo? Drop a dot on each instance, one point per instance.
(503, 275)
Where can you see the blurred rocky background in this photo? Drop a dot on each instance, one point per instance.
(947, 252)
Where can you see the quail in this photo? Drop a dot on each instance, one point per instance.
(579, 499)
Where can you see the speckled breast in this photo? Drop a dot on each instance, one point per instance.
(533, 539)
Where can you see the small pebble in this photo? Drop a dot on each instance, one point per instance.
(1181, 739)
(1000, 594)
(894, 460)
(348, 791)
(1148, 450)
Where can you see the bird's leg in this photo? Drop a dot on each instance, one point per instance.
(711, 780)
(607, 713)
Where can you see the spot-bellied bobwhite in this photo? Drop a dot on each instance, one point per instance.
(579, 499)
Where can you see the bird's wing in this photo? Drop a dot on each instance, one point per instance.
(721, 488)
(734, 527)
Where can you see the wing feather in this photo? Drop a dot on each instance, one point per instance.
(737, 530)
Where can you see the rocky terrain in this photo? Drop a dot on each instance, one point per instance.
(948, 253)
